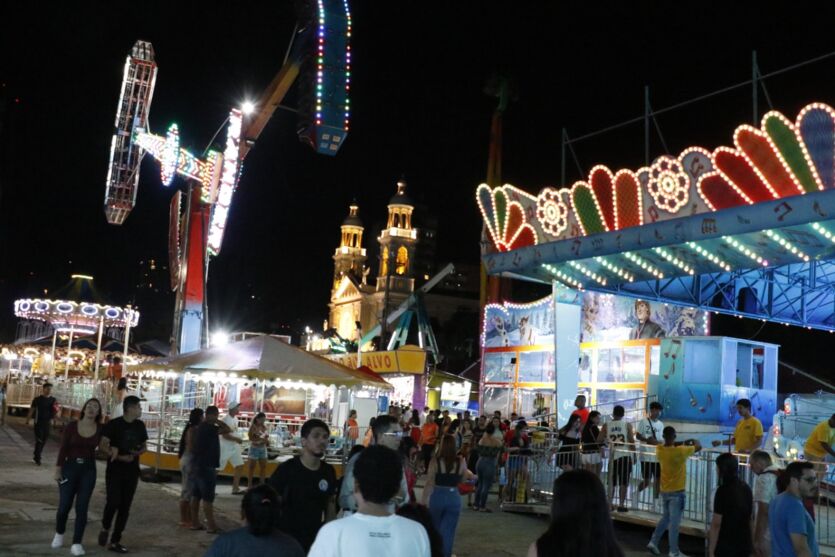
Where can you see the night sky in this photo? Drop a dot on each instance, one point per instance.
(419, 110)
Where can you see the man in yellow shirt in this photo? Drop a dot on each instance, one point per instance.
(748, 435)
(819, 444)
(673, 459)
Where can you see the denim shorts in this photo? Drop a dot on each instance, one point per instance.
(204, 482)
(258, 453)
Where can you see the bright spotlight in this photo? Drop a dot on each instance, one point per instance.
(220, 338)
(248, 107)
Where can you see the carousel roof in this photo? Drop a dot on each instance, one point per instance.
(264, 357)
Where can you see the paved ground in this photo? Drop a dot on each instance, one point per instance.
(28, 501)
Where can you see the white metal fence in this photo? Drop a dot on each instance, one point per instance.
(530, 484)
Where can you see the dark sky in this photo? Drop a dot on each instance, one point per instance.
(419, 69)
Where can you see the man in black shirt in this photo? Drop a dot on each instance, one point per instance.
(43, 408)
(306, 486)
(124, 439)
(204, 464)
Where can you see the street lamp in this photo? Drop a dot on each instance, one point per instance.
(220, 338)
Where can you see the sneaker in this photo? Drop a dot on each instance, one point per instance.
(36, 461)
(652, 548)
(117, 548)
(103, 536)
(57, 541)
(77, 549)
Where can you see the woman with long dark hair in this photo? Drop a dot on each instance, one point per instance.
(733, 504)
(580, 520)
(591, 458)
(260, 536)
(489, 448)
(185, 453)
(568, 457)
(75, 473)
(259, 442)
(446, 471)
(420, 514)
(408, 451)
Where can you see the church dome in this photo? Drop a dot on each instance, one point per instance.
(400, 198)
(353, 218)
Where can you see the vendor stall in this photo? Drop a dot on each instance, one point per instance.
(263, 374)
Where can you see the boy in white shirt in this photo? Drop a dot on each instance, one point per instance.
(374, 529)
(765, 490)
(649, 431)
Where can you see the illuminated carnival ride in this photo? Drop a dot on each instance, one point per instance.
(319, 59)
(747, 230)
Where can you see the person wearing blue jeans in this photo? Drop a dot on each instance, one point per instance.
(446, 471)
(489, 448)
(75, 473)
(673, 458)
(78, 482)
(673, 504)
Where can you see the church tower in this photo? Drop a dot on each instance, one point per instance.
(397, 247)
(350, 255)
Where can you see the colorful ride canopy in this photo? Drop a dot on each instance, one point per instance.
(747, 230)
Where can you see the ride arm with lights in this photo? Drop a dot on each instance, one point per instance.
(411, 300)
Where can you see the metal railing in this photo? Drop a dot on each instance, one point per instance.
(20, 395)
(530, 481)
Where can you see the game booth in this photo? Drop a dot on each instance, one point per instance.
(638, 259)
(263, 374)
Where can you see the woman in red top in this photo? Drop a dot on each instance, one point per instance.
(75, 473)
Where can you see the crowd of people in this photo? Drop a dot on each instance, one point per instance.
(303, 509)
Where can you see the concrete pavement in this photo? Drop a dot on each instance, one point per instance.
(29, 499)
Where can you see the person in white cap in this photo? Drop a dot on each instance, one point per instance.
(230, 447)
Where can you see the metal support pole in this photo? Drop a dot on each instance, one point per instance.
(98, 347)
(52, 357)
(263, 394)
(562, 157)
(128, 318)
(67, 363)
(159, 425)
(755, 75)
(646, 125)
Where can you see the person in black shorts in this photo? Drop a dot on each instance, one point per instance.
(205, 461)
(649, 431)
(619, 436)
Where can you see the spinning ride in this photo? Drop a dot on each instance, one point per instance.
(319, 58)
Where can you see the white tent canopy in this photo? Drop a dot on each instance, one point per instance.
(264, 357)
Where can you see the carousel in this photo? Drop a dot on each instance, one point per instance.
(68, 341)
